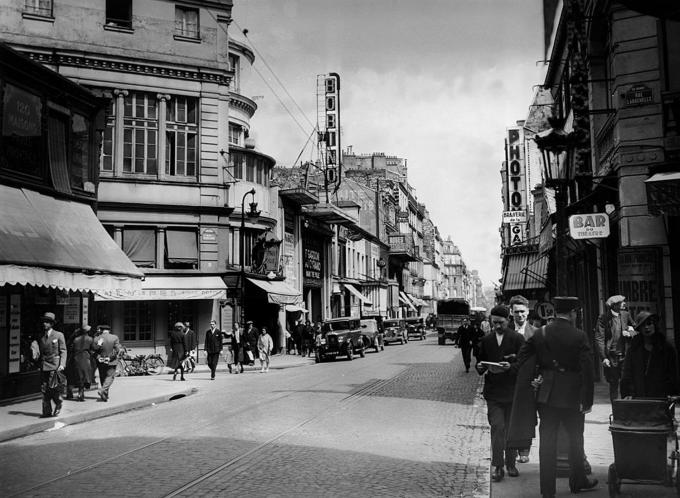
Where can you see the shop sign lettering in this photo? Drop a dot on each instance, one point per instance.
(639, 279)
(312, 264)
(589, 226)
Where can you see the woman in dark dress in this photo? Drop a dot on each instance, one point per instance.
(177, 350)
(650, 369)
(83, 349)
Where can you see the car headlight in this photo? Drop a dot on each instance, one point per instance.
(341, 338)
(323, 342)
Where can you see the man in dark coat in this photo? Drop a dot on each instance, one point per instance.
(563, 359)
(252, 334)
(177, 350)
(466, 338)
(501, 347)
(52, 359)
(613, 333)
(213, 346)
(519, 308)
(190, 345)
(107, 349)
(237, 347)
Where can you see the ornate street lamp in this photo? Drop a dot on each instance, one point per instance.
(252, 213)
(557, 152)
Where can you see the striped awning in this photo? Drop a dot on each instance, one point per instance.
(525, 271)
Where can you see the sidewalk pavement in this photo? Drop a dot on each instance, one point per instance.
(20, 417)
(600, 452)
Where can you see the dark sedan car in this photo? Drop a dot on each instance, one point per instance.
(340, 337)
(415, 327)
(394, 330)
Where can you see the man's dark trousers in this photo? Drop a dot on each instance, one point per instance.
(613, 376)
(49, 394)
(466, 350)
(499, 420)
(106, 375)
(213, 359)
(573, 421)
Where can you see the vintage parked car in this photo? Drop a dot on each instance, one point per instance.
(394, 331)
(373, 337)
(340, 337)
(415, 327)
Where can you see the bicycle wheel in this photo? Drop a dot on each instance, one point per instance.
(154, 366)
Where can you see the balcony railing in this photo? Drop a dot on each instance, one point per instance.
(402, 246)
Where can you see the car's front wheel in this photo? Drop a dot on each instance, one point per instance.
(350, 351)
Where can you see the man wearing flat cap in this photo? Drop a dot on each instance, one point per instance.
(106, 348)
(613, 332)
(561, 354)
(52, 360)
(500, 347)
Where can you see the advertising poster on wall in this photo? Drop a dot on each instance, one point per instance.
(640, 279)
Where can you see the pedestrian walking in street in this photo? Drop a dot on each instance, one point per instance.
(81, 358)
(190, 347)
(265, 344)
(213, 347)
(466, 337)
(177, 351)
(308, 339)
(237, 345)
(227, 349)
(613, 332)
(252, 335)
(500, 349)
(106, 349)
(561, 355)
(519, 308)
(52, 358)
(650, 369)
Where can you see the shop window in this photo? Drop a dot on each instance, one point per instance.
(137, 321)
(22, 138)
(39, 7)
(57, 150)
(139, 244)
(181, 249)
(119, 13)
(140, 133)
(81, 174)
(181, 135)
(186, 22)
(180, 311)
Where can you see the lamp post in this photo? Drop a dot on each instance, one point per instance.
(252, 213)
(557, 151)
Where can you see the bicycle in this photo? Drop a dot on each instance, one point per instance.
(150, 364)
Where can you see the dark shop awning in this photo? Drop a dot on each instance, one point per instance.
(278, 292)
(663, 193)
(57, 243)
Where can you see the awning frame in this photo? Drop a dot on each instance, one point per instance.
(356, 293)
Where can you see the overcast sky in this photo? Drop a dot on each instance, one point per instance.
(433, 81)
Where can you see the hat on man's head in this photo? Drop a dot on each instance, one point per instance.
(179, 325)
(615, 300)
(500, 310)
(249, 322)
(104, 327)
(49, 317)
(86, 328)
(565, 304)
(644, 316)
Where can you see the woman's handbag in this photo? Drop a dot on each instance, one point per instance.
(250, 356)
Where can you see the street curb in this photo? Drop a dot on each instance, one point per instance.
(77, 418)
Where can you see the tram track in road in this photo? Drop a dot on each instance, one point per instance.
(341, 404)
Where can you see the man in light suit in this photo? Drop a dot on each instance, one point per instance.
(519, 307)
(563, 358)
(52, 359)
(107, 349)
(500, 346)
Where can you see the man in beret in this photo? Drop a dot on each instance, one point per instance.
(613, 332)
(52, 360)
(561, 354)
(500, 346)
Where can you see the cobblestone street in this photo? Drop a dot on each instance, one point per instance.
(405, 422)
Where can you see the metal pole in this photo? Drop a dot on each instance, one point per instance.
(242, 257)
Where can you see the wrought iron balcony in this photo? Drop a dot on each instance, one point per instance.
(402, 246)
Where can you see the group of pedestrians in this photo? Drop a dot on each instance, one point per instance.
(302, 340)
(65, 365)
(546, 373)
